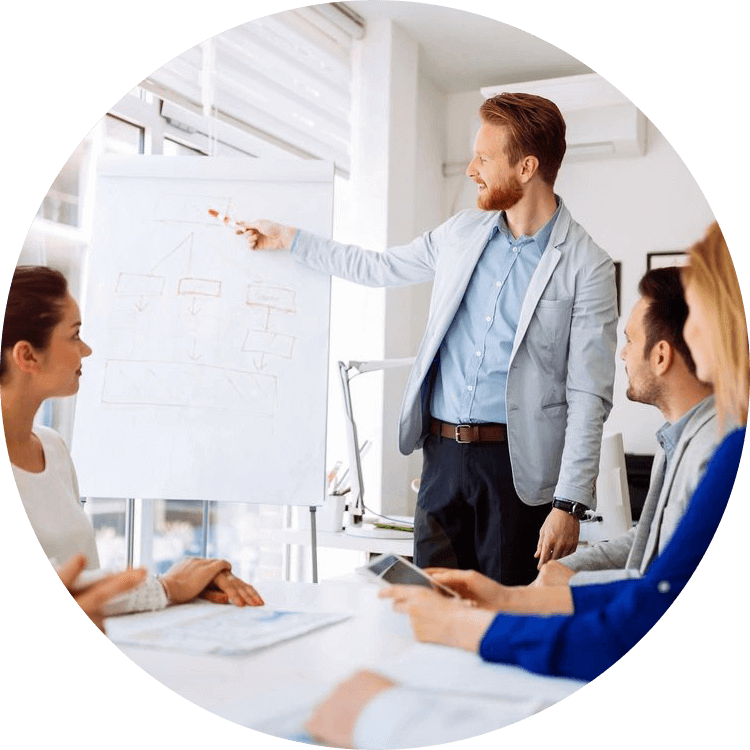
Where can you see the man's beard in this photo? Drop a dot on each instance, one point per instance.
(649, 393)
(500, 198)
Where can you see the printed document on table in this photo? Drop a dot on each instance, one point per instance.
(223, 632)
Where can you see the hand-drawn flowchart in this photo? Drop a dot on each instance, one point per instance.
(177, 289)
(209, 373)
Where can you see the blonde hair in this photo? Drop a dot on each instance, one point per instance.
(711, 275)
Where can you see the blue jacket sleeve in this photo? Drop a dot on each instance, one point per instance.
(611, 618)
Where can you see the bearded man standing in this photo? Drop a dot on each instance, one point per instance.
(513, 379)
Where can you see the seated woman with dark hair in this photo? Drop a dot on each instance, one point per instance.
(41, 358)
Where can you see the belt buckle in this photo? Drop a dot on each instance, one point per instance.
(458, 434)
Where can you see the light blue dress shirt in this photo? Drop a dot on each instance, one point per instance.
(475, 354)
(669, 435)
(560, 380)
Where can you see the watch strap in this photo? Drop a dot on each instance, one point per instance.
(573, 508)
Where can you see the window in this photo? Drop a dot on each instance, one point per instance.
(109, 517)
(281, 83)
(61, 204)
(121, 136)
(281, 90)
(174, 148)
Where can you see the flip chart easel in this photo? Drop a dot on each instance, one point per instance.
(208, 379)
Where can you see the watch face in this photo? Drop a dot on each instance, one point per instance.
(578, 510)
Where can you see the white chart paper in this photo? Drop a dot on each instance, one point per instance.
(228, 632)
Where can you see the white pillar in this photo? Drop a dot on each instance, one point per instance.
(384, 146)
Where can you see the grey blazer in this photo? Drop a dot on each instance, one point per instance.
(559, 389)
(630, 554)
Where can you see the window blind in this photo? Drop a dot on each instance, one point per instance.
(283, 79)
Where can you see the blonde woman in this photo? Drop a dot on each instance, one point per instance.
(716, 330)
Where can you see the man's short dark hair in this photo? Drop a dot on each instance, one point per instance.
(667, 311)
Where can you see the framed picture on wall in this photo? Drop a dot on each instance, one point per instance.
(666, 259)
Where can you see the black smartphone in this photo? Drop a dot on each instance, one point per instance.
(394, 569)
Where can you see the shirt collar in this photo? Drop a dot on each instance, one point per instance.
(669, 434)
(541, 237)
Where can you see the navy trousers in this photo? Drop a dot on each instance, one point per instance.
(469, 516)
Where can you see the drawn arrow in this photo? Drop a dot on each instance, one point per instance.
(193, 310)
(141, 305)
(193, 355)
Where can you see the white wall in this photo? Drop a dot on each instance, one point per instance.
(630, 206)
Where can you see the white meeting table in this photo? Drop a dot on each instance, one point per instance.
(274, 688)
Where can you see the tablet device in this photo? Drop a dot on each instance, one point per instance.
(394, 569)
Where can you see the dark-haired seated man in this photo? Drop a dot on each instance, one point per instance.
(660, 372)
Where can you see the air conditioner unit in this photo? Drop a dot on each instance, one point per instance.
(601, 122)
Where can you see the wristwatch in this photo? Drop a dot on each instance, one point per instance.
(578, 510)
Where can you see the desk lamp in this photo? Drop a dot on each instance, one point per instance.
(348, 371)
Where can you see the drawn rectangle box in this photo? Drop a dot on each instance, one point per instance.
(138, 283)
(202, 287)
(179, 384)
(274, 297)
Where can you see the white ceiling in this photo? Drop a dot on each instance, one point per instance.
(462, 51)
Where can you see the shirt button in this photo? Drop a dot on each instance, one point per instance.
(488, 319)
(663, 587)
(479, 354)
(471, 387)
(498, 283)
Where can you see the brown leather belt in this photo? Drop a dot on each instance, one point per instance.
(469, 433)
